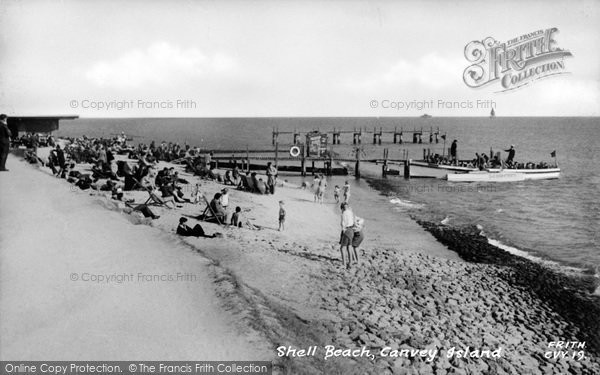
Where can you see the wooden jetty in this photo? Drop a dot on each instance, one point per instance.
(329, 164)
(297, 157)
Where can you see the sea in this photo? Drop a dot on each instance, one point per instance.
(552, 221)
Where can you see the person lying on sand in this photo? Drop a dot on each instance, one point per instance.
(144, 209)
(185, 230)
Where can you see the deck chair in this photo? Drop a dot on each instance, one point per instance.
(209, 215)
(153, 199)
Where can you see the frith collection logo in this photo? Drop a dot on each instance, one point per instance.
(515, 63)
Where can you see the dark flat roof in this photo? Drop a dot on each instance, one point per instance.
(66, 117)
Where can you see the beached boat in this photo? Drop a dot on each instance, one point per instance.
(487, 176)
(432, 170)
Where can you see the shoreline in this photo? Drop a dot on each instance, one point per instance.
(380, 185)
(290, 288)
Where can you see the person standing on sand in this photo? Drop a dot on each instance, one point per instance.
(271, 176)
(225, 198)
(196, 194)
(321, 189)
(347, 234)
(315, 186)
(281, 216)
(60, 158)
(346, 190)
(359, 225)
(5, 135)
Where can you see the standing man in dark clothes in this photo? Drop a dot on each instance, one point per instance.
(271, 177)
(511, 154)
(5, 135)
(453, 149)
(60, 157)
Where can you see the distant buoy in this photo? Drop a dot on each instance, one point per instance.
(295, 151)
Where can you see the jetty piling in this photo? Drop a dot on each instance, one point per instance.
(384, 167)
(247, 159)
(407, 169)
(357, 164)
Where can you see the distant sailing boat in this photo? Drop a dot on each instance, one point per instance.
(492, 113)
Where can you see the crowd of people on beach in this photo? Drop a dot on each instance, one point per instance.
(166, 188)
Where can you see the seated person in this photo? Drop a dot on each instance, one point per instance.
(262, 186)
(229, 178)
(149, 181)
(214, 175)
(236, 218)
(108, 186)
(117, 193)
(84, 181)
(185, 230)
(218, 209)
(171, 190)
(254, 182)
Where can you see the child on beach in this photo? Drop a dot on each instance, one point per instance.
(281, 216)
(336, 194)
(315, 186)
(321, 189)
(196, 194)
(236, 218)
(346, 192)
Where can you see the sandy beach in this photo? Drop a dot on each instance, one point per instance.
(413, 304)
(57, 243)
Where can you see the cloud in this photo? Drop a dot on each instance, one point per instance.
(430, 72)
(159, 64)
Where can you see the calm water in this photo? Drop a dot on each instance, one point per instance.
(555, 220)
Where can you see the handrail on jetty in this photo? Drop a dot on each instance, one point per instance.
(417, 135)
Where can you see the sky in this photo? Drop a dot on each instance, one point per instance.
(286, 58)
